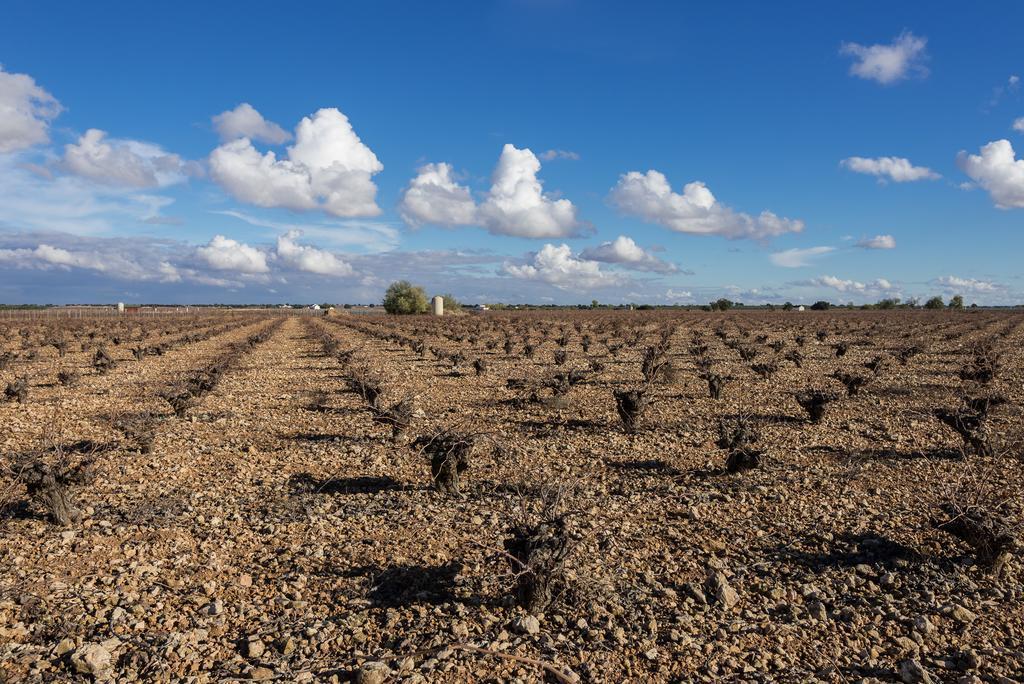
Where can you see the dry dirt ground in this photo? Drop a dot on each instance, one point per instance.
(271, 534)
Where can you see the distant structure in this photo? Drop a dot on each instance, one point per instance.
(437, 305)
(800, 308)
(120, 307)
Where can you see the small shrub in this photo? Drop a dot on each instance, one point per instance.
(814, 402)
(398, 417)
(631, 405)
(48, 485)
(987, 533)
(449, 454)
(67, 377)
(537, 549)
(737, 439)
(102, 361)
(17, 390)
(852, 382)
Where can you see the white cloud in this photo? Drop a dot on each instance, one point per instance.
(878, 242)
(954, 284)
(896, 169)
(310, 259)
(327, 168)
(623, 250)
(435, 198)
(353, 234)
(888, 63)
(1018, 124)
(998, 171)
(556, 265)
(796, 258)
(877, 286)
(110, 260)
(649, 196)
(225, 254)
(515, 205)
(127, 163)
(551, 155)
(677, 295)
(25, 112)
(29, 201)
(245, 122)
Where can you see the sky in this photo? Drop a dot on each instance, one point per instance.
(544, 151)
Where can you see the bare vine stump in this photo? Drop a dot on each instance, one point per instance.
(987, 534)
(537, 557)
(49, 488)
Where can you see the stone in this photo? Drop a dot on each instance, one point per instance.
(64, 647)
(373, 672)
(527, 624)
(962, 614)
(254, 647)
(718, 586)
(90, 659)
(261, 674)
(912, 672)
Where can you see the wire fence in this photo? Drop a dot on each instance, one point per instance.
(65, 312)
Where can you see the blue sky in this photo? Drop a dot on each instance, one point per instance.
(545, 151)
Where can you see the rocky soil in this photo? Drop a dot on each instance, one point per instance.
(274, 535)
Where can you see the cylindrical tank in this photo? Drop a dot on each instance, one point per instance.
(437, 304)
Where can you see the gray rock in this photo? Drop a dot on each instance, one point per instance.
(373, 672)
(718, 586)
(912, 672)
(527, 624)
(90, 659)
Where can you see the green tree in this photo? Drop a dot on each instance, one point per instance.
(788, 306)
(821, 306)
(956, 302)
(594, 304)
(402, 297)
(451, 303)
(935, 303)
(722, 304)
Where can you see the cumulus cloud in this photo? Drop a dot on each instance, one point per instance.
(888, 63)
(556, 265)
(25, 112)
(551, 155)
(127, 163)
(796, 258)
(310, 259)
(878, 242)
(245, 122)
(119, 259)
(649, 196)
(515, 205)
(955, 285)
(998, 171)
(434, 197)
(327, 168)
(225, 254)
(623, 250)
(877, 286)
(896, 169)
(1018, 124)
(678, 295)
